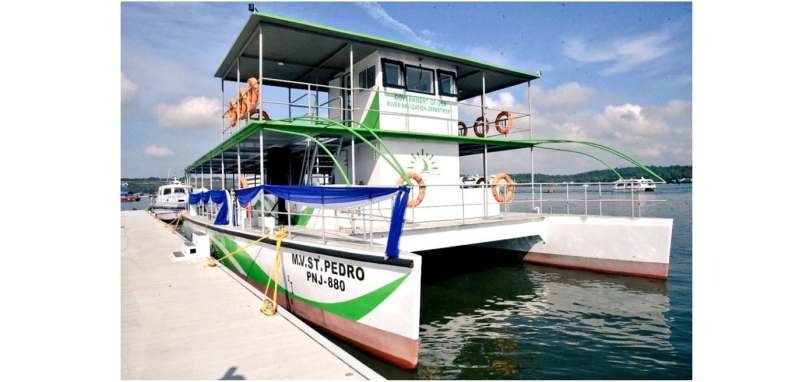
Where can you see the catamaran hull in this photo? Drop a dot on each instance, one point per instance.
(619, 245)
(368, 302)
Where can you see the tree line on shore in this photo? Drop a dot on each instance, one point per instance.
(671, 174)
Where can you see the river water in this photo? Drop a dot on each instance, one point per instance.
(489, 316)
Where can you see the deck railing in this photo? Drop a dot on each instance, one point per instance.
(474, 204)
(316, 99)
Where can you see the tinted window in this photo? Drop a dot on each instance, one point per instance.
(447, 84)
(419, 80)
(167, 191)
(392, 74)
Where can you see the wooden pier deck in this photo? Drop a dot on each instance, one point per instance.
(181, 320)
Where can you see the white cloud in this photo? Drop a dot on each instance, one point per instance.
(191, 112)
(377, 12)
(566, 97)
(158, 151)
(129, 88)
(658, 134)
(569, 98)
(621, 54)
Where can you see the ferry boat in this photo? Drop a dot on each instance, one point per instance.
(641, 184)
(362, 167)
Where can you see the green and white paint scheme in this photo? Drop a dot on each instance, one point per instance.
(362, 301)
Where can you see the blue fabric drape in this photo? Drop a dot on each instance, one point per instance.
(331, 196)
(396, 226)
(195, 198)
(205, 196)
(351, 197)
(219, 197)
(246, 195)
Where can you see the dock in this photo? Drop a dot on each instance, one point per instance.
(181, 320)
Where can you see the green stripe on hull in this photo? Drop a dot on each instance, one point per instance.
(353, 309)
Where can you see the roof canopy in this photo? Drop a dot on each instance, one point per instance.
(296, 50)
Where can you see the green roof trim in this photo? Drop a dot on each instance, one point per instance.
(375, 40)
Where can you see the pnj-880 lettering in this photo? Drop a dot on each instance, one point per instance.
(331, 282)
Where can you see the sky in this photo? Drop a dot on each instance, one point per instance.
(619, 74)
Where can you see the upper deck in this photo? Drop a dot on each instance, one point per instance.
(363, 111)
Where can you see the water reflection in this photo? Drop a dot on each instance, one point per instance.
(524, 321)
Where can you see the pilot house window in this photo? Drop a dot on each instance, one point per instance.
(392, 74)
(419, 79)
(447, 83)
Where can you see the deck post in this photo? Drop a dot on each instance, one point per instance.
(485, 147)
(290, 102)
(238, 163)
(352, 115)
(239, 100)
(222, 166)
(530, 130)
(222, 86)
(261, 77)
(261, 173)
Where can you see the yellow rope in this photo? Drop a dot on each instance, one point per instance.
(213, 262)
(171, 228)
(268, 307)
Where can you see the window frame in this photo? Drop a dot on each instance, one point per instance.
(385, 83)
(452, 74)
(433, 80)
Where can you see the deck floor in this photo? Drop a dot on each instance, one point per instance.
(181, 320)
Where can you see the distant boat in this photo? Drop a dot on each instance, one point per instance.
(170, 199)
(641, 184)
(685, 180)
(125, 196)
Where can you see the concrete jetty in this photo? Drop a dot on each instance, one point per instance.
(181, 320)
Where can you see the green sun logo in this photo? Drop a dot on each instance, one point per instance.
(423, 163)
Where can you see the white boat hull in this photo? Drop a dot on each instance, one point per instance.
(366, 300)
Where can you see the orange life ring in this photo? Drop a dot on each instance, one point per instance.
(484, 127)
(463, 130)
(506, 127)
(233, 113)
(420, 183)
(509, 188)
